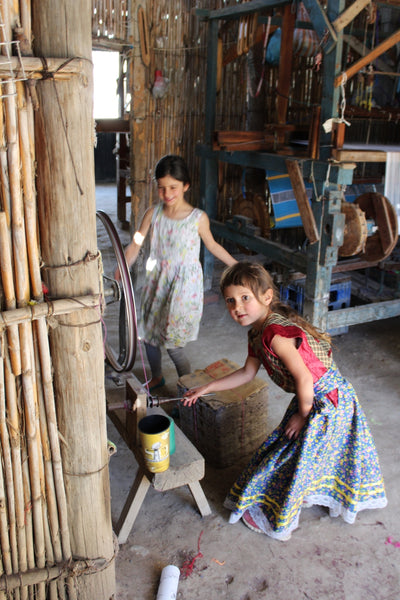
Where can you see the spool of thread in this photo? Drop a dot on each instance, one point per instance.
(168, 583)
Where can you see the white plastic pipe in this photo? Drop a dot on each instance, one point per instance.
(168, 583)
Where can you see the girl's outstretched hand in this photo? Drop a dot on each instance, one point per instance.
(190, 397)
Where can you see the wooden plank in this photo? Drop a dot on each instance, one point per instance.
(132, 506)
(136, 397)
(368, 58)
(306, 214)
(349, 14)
(186, 465)
(359, 155)
(238, 10)
(200, 499)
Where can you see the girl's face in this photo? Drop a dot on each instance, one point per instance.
(245, 308)
(170, 190)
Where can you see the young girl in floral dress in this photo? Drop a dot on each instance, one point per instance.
(322, 452)
(172, 299)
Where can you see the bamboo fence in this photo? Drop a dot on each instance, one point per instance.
(35, 549)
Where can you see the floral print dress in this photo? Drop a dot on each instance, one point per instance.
(332, 463)
(172, 298)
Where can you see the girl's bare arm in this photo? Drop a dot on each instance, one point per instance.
(216, 249)
(233, 380)
(133, 249)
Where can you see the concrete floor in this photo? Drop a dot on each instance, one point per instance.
(325, 558)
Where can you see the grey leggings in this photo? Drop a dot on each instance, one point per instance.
(177, 355)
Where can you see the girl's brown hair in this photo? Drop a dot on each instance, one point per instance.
(258, 280)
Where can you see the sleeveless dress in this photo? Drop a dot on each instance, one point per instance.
(172, 298)
(332, 463)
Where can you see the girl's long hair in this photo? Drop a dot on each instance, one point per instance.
(258, 280)
(172, 165)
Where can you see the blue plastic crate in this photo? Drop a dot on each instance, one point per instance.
(339, 297)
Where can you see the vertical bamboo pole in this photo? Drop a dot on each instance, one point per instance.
(29, 199)
(17, 213)
(18, 557)
(5, 563)
(9, 293)
(5, 186)
(67, 216)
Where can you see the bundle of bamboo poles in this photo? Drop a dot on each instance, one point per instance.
(34, 532)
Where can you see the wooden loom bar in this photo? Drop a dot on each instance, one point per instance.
(349, 14)
(368, 58)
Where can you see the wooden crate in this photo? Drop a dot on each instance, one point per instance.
(229, 425)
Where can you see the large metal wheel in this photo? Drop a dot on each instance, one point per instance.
(120, 327)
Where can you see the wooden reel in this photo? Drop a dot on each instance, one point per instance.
(254, 207)
(370, 211)
(355, 230)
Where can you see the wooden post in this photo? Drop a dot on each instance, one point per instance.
(138, 80)
(64, 136)
(285, 66)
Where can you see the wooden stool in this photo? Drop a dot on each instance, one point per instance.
(186, 464)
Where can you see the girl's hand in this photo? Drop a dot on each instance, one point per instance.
(190, 397)
(294, 426)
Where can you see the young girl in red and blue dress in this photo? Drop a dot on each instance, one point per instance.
(322, 452)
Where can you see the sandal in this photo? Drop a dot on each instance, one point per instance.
(157, 385)
(247, 520)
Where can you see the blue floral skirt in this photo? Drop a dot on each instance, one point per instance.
(332, 463)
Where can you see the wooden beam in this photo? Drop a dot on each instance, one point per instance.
(349, 14)
(112, 125)
(362, 50)
(239, 10)
(285, 66)
(359, 156)
(306, 213)
(319, 19)
(33, 68)
(370, 57)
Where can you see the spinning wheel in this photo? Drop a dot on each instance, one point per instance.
(120, 332)
(370, 227)
(378, 209)
(254, 207)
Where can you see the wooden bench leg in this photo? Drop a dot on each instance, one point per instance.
(132, 506)
(200, 498)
